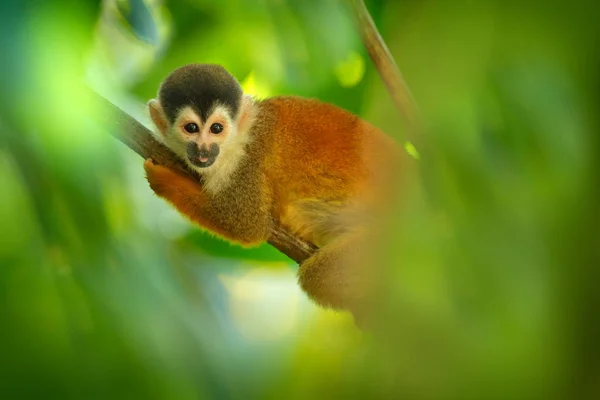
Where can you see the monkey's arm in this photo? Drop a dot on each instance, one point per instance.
(247, 227)
(186, 195)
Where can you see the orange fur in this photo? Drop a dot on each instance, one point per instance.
(321, 153)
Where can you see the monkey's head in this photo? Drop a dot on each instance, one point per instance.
(202, 114)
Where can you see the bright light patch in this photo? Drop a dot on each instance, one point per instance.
(264, 303)
(59, 71)
(410, 149)
(255, 88)
(350, 71)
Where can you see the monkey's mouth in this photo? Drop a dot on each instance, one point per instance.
(203, 156)
(203, 162)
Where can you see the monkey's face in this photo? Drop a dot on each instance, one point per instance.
(204, 117)
(202, 143)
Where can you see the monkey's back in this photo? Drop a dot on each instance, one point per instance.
(323, 161)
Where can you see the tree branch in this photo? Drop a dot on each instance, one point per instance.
(385, 64)
(137, 137)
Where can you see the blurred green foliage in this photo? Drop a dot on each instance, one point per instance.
(491, 261)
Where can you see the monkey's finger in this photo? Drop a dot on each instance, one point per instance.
(149, 165)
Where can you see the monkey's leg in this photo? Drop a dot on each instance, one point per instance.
(190, 199)
(338, 274)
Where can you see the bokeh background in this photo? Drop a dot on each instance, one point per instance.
(491, 261)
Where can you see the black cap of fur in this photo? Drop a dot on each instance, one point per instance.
(199, 86)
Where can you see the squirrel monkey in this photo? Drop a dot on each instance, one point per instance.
(317, 170)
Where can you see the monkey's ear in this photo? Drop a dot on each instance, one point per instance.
(247, 114)
(158, 116)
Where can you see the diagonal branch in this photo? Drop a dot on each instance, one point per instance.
(385, 64)
(141, 140)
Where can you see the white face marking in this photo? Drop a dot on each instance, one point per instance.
(233, 148)
(175, 138)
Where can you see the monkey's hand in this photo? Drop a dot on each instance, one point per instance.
(164, 181)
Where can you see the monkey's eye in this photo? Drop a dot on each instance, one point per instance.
(191, 128)
(216, 128)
